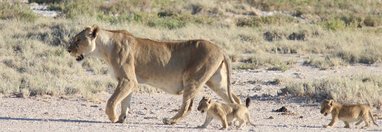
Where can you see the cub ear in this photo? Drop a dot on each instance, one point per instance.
(209, 101)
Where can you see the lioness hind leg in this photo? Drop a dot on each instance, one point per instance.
(193, 80)
(366, 119)
(218, 83)
(188, 98)
(124, 88)
(359, 122)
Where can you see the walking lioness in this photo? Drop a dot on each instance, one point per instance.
(347, 113)
(177, 67)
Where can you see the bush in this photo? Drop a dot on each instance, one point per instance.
(373, 21)
(44, 1)
(17, 11)
(265, 20)
(334, 24)
(323, 63)
(78, 8)
(169, 23)
(269, 61)
(358, 88)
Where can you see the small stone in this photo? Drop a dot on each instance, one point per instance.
(94, 106)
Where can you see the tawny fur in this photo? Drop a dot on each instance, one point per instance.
(347, 113)
(226, 113)
(177, 67)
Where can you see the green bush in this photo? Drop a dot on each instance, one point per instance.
(334, 24)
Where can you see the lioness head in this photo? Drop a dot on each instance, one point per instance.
(204, 104)
(327, 107)
(83, 43)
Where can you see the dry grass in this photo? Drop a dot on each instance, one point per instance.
(360, 88)
(34, 60)
(10, 10)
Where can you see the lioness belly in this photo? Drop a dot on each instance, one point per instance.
(169, 83)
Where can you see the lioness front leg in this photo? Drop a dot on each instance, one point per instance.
(125, 107)
(124, 88)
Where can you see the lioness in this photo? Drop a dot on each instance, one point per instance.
(226, 113)
(347, 113)
(177, 67)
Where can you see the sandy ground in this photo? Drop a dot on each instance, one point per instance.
(148, 110)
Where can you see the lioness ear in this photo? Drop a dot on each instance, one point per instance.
(331, 102)
(94, 31)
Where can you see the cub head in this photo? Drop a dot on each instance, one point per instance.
(83, 43)
(204, 104)
(327, 107)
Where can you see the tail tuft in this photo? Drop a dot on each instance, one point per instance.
(247, 102)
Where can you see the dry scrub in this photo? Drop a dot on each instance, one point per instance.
(325, 35)
(359, 88)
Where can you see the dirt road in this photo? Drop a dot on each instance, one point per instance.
(148, 110)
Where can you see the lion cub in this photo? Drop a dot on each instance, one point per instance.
(226, 113)
(347, 113)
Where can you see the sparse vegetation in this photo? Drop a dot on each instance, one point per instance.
(358, 88)
(16, 11)
(269, 61)
(331, 33)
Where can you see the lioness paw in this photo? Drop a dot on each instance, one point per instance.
(168, 121)
(326, 126)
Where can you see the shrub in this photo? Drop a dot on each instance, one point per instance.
(17, 11)
(358, 88)
(169, 23)
(269, 61)
(334, 24)
(265, 20)
(76, 8)
(373, 21)
(323, 63)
